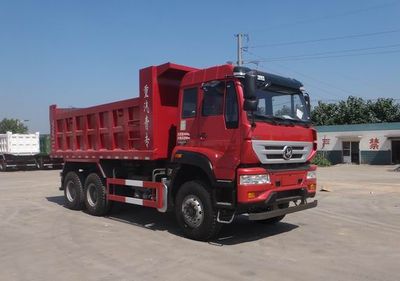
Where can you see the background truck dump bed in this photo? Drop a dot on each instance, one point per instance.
(139, 128)
(19, 144)
(18, 150)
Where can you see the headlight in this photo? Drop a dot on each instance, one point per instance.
(311, 175)
(254, 179)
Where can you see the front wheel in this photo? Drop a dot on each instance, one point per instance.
(195, 213)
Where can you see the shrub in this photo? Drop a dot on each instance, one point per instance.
(321, 161)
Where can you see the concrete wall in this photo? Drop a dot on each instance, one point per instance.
(375, 147)
(334, 156)
(382, 157)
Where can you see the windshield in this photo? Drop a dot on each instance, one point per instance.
(281, 105)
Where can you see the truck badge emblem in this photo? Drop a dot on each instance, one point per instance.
(287, 152)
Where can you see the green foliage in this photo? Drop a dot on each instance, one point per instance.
(384, 110)
(324, 114)
(321, 161)
(356, 111)
(12, 125)
(285, 110)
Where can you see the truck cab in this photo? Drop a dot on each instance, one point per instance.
(250, 133)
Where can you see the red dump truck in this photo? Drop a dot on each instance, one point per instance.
(207, 144)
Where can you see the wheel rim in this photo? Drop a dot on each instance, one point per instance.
(91, 194)
(71, 191)
(193, 211)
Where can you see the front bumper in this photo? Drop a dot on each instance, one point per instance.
(283, 183)
(281, 212)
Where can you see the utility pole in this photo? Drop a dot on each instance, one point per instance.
(240, 47)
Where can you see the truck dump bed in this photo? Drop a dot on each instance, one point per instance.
(19, 144)
(140, 128)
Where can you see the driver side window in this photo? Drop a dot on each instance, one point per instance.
(231, 107)
(213, 98)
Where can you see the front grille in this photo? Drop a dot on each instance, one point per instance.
(287, 166)
(270, 152)
(277, 156)
(281, 147)
(289, 193)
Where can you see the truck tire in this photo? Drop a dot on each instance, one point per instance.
(3, 166)
(195, 213)
(39, 163)
(73, 191)
(275, 220)
(95, 195)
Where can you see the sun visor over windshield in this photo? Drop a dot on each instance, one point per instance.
(279, 81)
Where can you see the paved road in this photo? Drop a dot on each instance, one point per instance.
(354, 234)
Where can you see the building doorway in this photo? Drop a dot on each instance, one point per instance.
(351, 152)
(396, 151)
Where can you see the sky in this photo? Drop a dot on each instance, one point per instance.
(88, 52)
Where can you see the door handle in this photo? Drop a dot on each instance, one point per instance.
(203, 136)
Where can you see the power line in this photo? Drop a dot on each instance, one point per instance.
(365, 99)
(321, 54)
(329, 93)
(334, 56)
(363, 82)
(326, 92)
(332, 16)
(331, 85)
(325, 39)
(327, 97)
(334, 86)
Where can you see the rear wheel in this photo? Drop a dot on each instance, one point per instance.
(195, 213)
(3, 166)
(95, 196)
(39, 163)
(73, 191)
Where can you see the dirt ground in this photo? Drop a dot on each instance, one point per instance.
(354, 234)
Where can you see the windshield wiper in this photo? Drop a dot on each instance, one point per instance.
(274, 118)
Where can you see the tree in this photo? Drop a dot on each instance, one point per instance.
(356, 111)
(384, 110)
(353, 111)
(12, 125)
(324, 114)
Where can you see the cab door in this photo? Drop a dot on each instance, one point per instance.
(219, 134)
(187, 133)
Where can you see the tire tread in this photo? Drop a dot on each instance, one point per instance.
(102, 207)
(211, 227)
(77, 204)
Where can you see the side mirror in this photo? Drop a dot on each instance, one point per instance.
(308, 102)
(250, 105)
(250, 85)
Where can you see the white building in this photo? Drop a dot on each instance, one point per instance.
(377, 143)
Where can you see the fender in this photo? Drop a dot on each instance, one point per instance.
(197, 160)
(221, 189)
